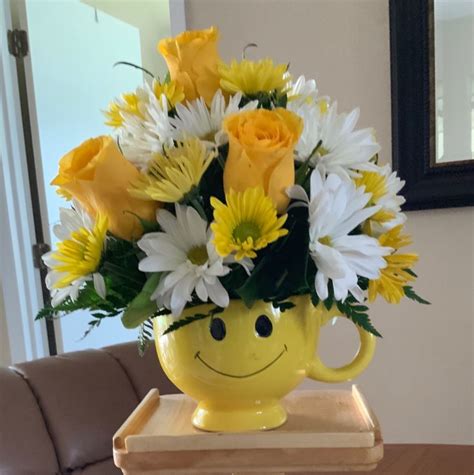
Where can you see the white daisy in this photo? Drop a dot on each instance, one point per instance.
(186, 255)
(196, 119)
(77, 257)
(143, 135)
(309, 138)
(302, 91)
(400, 218)
(344, 150)
(383, 185)
(336, 208)
(392, 201)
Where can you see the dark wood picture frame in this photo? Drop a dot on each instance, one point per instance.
(413, 118)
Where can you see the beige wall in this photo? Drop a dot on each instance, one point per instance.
(421, 380)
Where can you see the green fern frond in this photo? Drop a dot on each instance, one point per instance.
(358, 314)
(411, 294)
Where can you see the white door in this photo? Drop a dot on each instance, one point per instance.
(70, 79)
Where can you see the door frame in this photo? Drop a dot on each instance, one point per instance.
(21, 282)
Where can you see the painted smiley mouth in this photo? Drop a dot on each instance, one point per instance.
(239, 376)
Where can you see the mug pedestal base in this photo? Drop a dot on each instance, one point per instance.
(259, 417)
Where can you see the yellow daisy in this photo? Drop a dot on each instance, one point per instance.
(247, 223)
(173, 91)
(128, 103)
(80, 254)
(250, 77)
(171, 176)
(395, 276)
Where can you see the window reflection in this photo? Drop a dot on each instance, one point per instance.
(454, 80)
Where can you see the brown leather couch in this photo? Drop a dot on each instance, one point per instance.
(58, 414)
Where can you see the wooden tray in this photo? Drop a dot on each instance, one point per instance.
(326, 431)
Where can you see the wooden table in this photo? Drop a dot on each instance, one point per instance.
(427, 459)
(424, 459)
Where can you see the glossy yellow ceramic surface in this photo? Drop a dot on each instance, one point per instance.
(239, 380)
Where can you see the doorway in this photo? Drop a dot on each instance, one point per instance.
(66, 79)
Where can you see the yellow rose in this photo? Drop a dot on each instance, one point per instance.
(97, 175)
(192, 60)
(261, 152)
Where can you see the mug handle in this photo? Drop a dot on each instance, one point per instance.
(319, 371)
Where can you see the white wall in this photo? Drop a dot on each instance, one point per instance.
(421, 380)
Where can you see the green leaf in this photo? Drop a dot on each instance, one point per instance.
(363, 320)
(315, 298)
(141, 307)
(266, 100)
(411, 294)
(409, 271)
(283, 306)
(185, 321)
(253, 288)
(363, 283)
(87, 299)
(192, 318)
(46, 312)
(329, 302)
(235, 279)
(92, 324)
(216, 311)
(358, 314)
(148, 226)
(145, 336)
(302, 173)
(280, 100)
(122, 274)
(281, 271)
(120, 290)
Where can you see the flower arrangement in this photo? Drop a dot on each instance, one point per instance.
(226, 181)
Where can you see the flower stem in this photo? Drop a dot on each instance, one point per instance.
(315, 149)
(136, 66)
(195, 202)
(221, 161)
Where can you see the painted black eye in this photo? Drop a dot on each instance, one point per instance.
(263, 326)
(217, 329)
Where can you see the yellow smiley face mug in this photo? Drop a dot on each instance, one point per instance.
(239, 364)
